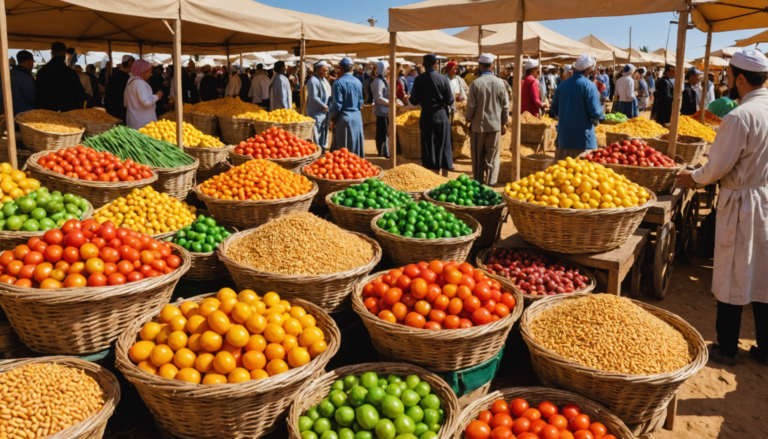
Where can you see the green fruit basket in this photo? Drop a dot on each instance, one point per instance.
(205, 263)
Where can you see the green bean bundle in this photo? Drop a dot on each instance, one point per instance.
(128, 143)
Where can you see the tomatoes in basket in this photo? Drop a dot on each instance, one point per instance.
(342, 165)
(83, 163)
(275, 143)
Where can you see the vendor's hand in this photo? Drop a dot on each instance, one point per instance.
(159, 94)
(685, 179)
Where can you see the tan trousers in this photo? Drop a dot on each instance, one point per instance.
(485, 151)
(562, 153)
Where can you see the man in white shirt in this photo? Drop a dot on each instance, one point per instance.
(259, 92)
(85, 80)
(710, 93)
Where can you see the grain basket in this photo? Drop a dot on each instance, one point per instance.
(489, 217)
(302, 130)
(235, 129)
(367, 113)
(318, 389)
(575, 231)
(94, 128)
(438, 351)
(353, 219)
(208, 158)
(691, 149)
(10, 239)
(206, 123)
(530, 298)
(534, 163)
(326, 186)
(658, 180)
(72, 320)
(38, 140)
(247, 214)
(296, 164)
(403, 251)
(233, 411)
(328, 291)
(532, 132)
(176, 182)
(98, 193)
(633, 398)
(93, 426)
(535, 396)
(409, 137)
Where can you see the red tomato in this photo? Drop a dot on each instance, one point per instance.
(71, 225)
(428, 275)
(471, 304)
(570, 411)
(465, 323)
(403, 282)
(549, 432)
(433, 326)
(134, 276)
(451, 322)
(482, 291)
(415, 320)
(75, 238)
(71, 255)
(477, 430)
(116, 279)
(481, 316)
(598, 430)
(547, 409)
(501, 420)
(53, 253)
(6, 257)
(583, 434)
(521, 425)
(502, 433)
(485, 416)
(436, 267)
(518, 406)
(580, 422)
(173, 261)
(33, 258)
(532, 414)
(537, 426)
(97, 280)
(500, 406)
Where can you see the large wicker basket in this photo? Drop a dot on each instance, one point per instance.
(98, 193)
(532, 132)
(235, 129)
(208, 158)
(633, 398)
(238, 159)
(535, 396)
(403, 251)
(206, 123)
(575, 231)
(326, 186)
(658, 180)
(302, 130)
(38, 140)
(204, 174)
(9, 239)
(351, 218)
(367, 113)
(93, 426)
(72, 320)
(611, 138)
(247, 214)
(534, 163)
(329, 291)
(259, 126)
(489, 217)
(176, 182)
(691, 149)
(438, 351)
(94, 128)
(232, 411)
(318, 389)
(296, 164)
(409, 137)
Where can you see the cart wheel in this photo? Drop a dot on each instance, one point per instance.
(710, 201)
(688, 229)
(637, 272)
(665, 255)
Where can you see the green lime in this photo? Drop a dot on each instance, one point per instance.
(337, 385)
(26, 204)
(308, 435)
(363, 435)
(71, 208)
(423, 389)
(345, 416)
(391, 406)
(404, 424)
(2, 224)
(412, 381)
(369, 379)
(326, 409)
(375, 395)
(394, 389)
(54, 206)
(14, 223)
(201, 227)
(305, 423)
(410, 398)
(357, 396)
(38, 213)
(350, 381)
(430, 402)
(431, 416)
(385, 429)
(428, 435)
(42, 200)
(346, 433)
(197, 247)
(367, 416)
(383, 383)
(338, 398)
(330, 434)
(47, 224)
(313, 414)
(420, 429)
(207, 248)
(321, 425)
(31, 225)
(9, 209)
(416, 413)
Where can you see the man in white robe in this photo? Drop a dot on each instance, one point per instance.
(739, 159)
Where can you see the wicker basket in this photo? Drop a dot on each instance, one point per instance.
(458, 143)
(438, 351)
(532, 133)
(98, 193)
(206, 123)
(93, 426)
(403, 251)
(633, 398)
(367, 113)
(233, 411)
(94, 128)
(302, 130)
(238, 159)
(409, 138)
(296, 164)
(535, 396)
(658, 180)
(575, 231)
(691, 150)
(326, 186)
(489, 217)
(235, 129)
(416, 196)
(208, 158)
(259, 126)
(10, 239)
(353, 219)
(247, 214)
(72, 320)
(318, 389)
(176, 182)
(203, 175)
(38, 141)
(530, 298)
(329, 291)
(611, 138)
(534, 163)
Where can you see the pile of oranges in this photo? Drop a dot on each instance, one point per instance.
(230, 338)
(256, 180)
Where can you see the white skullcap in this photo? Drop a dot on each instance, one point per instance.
(531, 64)
(750, 60)
(568, 67)
(628, 69)
(320, 64)
(584, 62)
(382, 67)
(486, 58)
(127, 58)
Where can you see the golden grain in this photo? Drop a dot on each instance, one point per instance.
(412, 178)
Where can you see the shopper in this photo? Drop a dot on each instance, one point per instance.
(22, 83)
(259, 91)
(662, 99)
(114, 92)
(722, 106)
(57, 87)
(710, 92)
(85, 81)
(643, 93)
(487, 114)
(626, 100)
(280, 95)
(208, 89)
(688, 102)
(157, 83)
(381, 97)
(346, 119)
(605, 80)
(458, 86)
(738, 159)
(577, 107)
(318, 101)
(530, 97)
(234, 84)
(611, 83)
(433, 92)
(139, 100)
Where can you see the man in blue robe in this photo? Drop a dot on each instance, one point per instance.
(346, 119)
(433, 92)
(280, 89)
(318, 99)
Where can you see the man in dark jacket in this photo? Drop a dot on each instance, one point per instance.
(114, 92)
(245, 87)
(96, 98)
(190, 94)
(22, 83)
(157, 82)
(57, 87)
(662, 98)
(208, 89)
(688, 104)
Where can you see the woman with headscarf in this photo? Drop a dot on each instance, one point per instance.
(643, 92)
(139, 100)
(380, 92)
(625, 93)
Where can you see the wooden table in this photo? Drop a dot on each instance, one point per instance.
(617, 262)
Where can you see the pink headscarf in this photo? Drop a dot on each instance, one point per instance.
(139, 67)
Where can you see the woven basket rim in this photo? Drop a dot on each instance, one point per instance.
(701, 139)
(351, 182)
(232, 118)
(112, 394)
(660, 170)
(85, 123)
(471, 222)
(329, 203)
(399, 330)
(202, 114)
(178, 169)
(32, 163)
(537, 156)
(85, 294)
(367, 267)
(581, 212)
(230, 390)
(290, 160)
(700, 359)
(15, 118)
(11, 234)
(208, 199)
(213, 149)
(302, 123)
(464, 209)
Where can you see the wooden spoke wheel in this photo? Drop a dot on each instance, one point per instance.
(688, 228)
(664, 258)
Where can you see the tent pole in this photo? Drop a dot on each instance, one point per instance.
(5, 67)
(516, 85)
(178, 71)
(111, 64)
(241, 60)
(392, 141)
(480, 40)
(705, 79)
(229, 63)
(141, 50)
(629, 60)
(302, 74)
(539, 58)
(682, 28)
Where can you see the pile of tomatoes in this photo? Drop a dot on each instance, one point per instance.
(86, 254)
(631, 153)
(519, 420)
(342, 165)
(275, 143)
(438, 295)
(83, 163)
(535, 273)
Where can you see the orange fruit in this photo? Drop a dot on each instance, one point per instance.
(256, 342)
(178, 323)
(259, 307)
(309, 336)
(206, 308)
(214, 378)
(239, 375)
(274, 351)
(289, 342)
(256, 324)
(177, 340)
(213, 300)
(148, 367)
(286, 305)
(162, 336)
(317, 348)
(211, 341)
(237, 336)
(259, 374)
(275, 318)
(298, 357)
(219, 322)
(204, 362)
(188, 308)
(307, 321)
(271, 299)
(249, 297)
(168, 312)
(276, 367)
(184, 358)
(253, 360)
(274, 333)
(161, 354)
(226, 293)
(196, 324)
(241, 312)
(193, 343)
(228, 304)
(298, 312)
(224, 362)
(188, 375)
(292, 327)
(149, 331)
(168, 371)
(141, 350)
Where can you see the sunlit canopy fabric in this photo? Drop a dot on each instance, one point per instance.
(670, 55)
(597, 43)
(639, 57)
(728, 15)
(726, 52)
(713, 62)
(762, 37)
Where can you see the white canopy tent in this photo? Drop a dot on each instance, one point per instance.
(669, 55)
(762, 37)
(597, 43)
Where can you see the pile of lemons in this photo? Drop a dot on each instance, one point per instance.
(14, 183)
(578, 184)
(409, 118)
(147, 211)
(279, 116)
(166, 130)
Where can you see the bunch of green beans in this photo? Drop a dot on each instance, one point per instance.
(128, 143)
